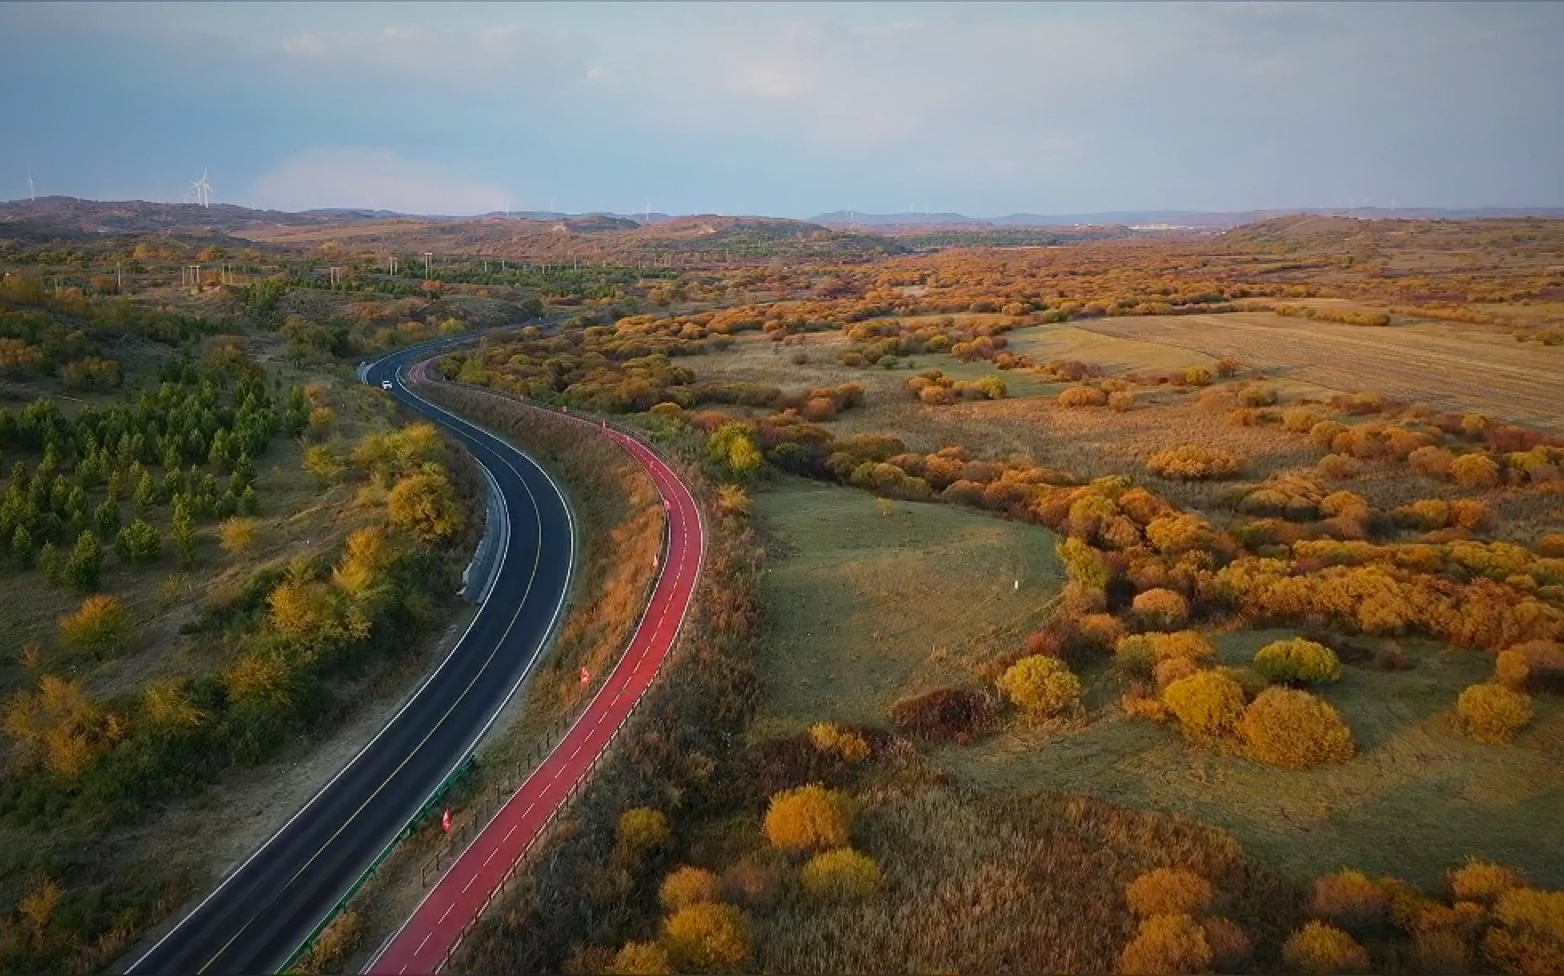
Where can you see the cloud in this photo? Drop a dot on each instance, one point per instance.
(522, 58)
(355, 176)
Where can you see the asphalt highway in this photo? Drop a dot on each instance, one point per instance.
(427, 940)
(261, 913)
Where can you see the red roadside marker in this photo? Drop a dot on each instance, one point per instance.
(445, 821)
(586, 676)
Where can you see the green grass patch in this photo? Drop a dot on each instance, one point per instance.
(870, 601)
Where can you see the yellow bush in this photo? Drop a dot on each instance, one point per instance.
(708, 938)
(842, 874)
(829, 738)
(1139, 653)
(1530, 940)
(1250, 680)
(1481, 881)
(1166, 944)
(686, 886)
(1168, 891)
(1195, 462)
(808, 817)
(101, 626)
(641, 959)
(1297, 660)
(1043, 686)
(1512, 670)
(1493, 713)
(1163, 609)
(426, 505)
(1287, 727)
(1206, 704)
(237, 535)
(1318, 948)
(643, 829)
(1442, 951)
(1122, 401)
(1349, 897)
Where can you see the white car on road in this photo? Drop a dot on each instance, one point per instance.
(385, 384)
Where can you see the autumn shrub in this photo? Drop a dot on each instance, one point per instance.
(1349, 898)
(1043, 686)
(641, 959)
(1550, 545)
(808, 817)
(1257, 396)
(1530, 937)
(1099, 630)
(1297, 660)
(1139, 653)
(708, 938)
(688, 886)
(752, 883)
(842, 874)
(1082, 396)
(1493, 713)
(1207, 703)
(1160, 608)
(1442, 951)
(828, 737)
(1322, 949)
(1166, 944)
(1122, 401)
(945, 714)
(1197, 376)
(1475, 471)
(100, 627)
(1545, 661)
(1339, 467)
(1168, 891)
(1195, 462)
(1169, 670)
(1511, 669)
(1230, 945)
(236, 535)
(643, 829)
(1287, 727)
(1482, 881)
(1431, 460)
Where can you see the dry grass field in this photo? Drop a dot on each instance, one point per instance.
(1449, 367)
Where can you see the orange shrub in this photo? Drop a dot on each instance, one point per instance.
(1162, 609)
(1530, 939)
(1166, 944)
(1339, 467)
(1168, 891)
(1318, 948)
(808, 817)
(1511, 669)
(1139, 653)
(1173, 669)
(1287, 727)
(1475, 471)
(827, 737)
(1493, 713)
(1195, 462)
(1481, 881)
(708, 938)
(688, 886)
(1207, 703)
(101, 626)
(1350, 898)
(842, 874)
(1550, 545)
(1099, 630)
(1122, 401)
(1441, 950)
(1469, 513)
(1082, 396)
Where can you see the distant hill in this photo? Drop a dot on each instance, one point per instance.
(1167, 219)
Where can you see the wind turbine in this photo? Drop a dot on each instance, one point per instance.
(32, 193)
(202, 190)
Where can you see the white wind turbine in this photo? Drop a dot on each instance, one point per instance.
(32, 192)
(203, 190)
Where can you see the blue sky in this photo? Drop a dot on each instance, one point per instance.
(788, 109)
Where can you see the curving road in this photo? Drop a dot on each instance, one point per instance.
(264, 910)
(426, 941)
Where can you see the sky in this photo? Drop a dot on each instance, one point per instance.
(789, 109)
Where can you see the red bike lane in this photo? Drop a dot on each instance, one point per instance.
(434, 931)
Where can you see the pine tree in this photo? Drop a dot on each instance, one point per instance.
(85, 566)
(184, 533)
